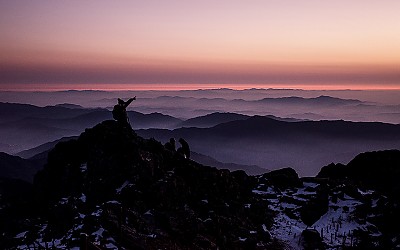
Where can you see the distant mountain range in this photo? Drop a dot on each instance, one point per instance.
(320, 100)
(23, 126)
(349, 105)
(212, 119)
(272, 144)
(229, 138)
(322, 107)
(36, 152)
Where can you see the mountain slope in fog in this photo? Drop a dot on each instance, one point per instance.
(43, 148)
(212, 119)
(209, 161)
(14, 167)
(25, 126)
(321, 107)
(272, 144)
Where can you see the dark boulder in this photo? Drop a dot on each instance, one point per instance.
(312, 210)
(332, 171)
(379, 170)
(284, 178)
(376, 170)
(311, 240)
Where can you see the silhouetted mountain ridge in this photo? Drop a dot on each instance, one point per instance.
(209, 161)
(14, 167)
(25, 126)
(44, 148)
(212, 119)
(272, 144)
(69, 105)
(261, 126)
(320, 100)
(14, 111)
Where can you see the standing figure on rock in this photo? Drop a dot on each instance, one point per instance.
(119, 111)
(170, 145)
(184, 150)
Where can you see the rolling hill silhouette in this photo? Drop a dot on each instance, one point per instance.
(272, 144)
(24, 126)
(320, 100)
(212, 119)
(266, 141)
(14, 167)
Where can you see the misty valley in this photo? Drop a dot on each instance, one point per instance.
(268, 169)
(261, 128)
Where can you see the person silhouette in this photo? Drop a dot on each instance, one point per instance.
(170, 145)
(119, 111)
(184, 150)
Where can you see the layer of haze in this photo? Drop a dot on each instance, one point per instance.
(283, 43)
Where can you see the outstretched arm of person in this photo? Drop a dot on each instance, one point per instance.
(129, 101)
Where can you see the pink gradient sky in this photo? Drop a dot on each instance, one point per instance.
(286, 43)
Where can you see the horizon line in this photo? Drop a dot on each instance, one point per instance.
(56, 87)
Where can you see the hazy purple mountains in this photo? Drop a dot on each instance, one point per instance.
(262, 127)
(24, 126)
(351, 105)
(110, 172)
(272, 144)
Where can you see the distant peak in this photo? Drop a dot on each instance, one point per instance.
(69, 105)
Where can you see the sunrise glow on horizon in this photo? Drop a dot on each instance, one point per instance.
(192, 44)
(174, 87)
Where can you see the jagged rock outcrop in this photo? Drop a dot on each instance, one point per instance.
(16, 197)
(145, 196)
(379, 170)
(316, 207)
(333, 171)
(284, 178)
(311, 240)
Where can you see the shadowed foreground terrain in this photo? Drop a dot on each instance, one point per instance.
(110, 188)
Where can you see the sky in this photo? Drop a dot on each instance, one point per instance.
(176, 44)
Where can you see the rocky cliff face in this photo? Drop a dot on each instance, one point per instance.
(379, 173)
(112, 189)
(124, 191)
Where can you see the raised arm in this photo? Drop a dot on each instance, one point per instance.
(129, 101)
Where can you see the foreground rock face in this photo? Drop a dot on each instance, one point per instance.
(113, 189)
(125, 191)
(284, 178)
(311, 239)
(378, 170)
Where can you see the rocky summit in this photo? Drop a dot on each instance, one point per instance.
(111, 189)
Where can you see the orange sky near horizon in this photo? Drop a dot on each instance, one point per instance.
(354, 44)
